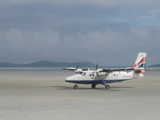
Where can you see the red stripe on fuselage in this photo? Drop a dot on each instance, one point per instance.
(139, 71)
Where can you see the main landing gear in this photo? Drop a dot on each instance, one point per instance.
(93, 86)
(76, 87)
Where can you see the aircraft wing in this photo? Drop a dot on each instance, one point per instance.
(70, 69)
(113, 70)
(74, 69)
(124, 69)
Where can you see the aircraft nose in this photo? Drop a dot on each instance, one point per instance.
(68, 79)
(72, 78)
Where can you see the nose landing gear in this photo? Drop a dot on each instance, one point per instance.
(107, 86)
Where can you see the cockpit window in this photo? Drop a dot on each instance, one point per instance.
(79, 72)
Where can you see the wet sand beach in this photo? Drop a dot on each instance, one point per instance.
(42, 94)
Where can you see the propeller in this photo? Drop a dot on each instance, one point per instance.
(96, 66)
(77, 67)
(96, 70)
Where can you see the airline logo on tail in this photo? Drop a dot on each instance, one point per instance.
(140, 63)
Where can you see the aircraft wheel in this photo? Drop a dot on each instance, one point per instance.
(107, 86)
(76, 87)
(93, 86)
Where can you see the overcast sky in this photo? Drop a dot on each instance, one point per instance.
(108, 32)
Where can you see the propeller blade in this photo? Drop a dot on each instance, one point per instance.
(97, 74)
(96, 66)
(77, 67)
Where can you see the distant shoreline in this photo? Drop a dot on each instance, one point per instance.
(110, 67)
(57, 65)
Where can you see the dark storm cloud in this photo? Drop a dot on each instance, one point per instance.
(108, 32)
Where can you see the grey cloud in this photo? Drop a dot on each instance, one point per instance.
(106, 3)
(108, 32)
(106, 47)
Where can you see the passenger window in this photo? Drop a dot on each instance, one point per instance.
(83, 73)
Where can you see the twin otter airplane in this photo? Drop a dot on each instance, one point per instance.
(107, 76)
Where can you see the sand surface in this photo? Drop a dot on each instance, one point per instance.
(32, 95)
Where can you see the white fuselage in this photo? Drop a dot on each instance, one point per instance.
(88, 76)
